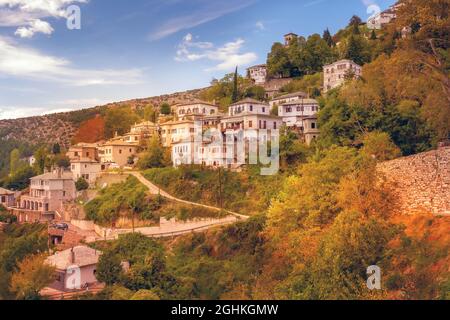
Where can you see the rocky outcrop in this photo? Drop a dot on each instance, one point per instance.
(422, 181)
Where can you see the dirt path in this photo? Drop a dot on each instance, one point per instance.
(157, 191)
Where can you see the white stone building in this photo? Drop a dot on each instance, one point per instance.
(287, 98)
(295, 111)
(195, 108)
(87, 169)
(335, 74)
(258, 74)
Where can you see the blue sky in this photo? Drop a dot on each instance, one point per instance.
(133, 49)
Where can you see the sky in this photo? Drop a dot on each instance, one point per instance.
(135, 49)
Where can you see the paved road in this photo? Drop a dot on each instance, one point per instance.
(156, 190)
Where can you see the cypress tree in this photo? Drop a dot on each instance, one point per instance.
(235, 93)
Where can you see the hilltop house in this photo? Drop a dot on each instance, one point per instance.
(48, 192)
(176, 131)
(335, 74)
(288, 38)
(7, 198)
(258, 74)
(76, 268)
(379, 20)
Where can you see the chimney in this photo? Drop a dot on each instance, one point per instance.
(72, 256)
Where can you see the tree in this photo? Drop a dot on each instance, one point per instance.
(14, 161)
(56, 149)
(31, 277)
(165, 109)
(255, 92)
(355, 50)
(355, 21)
(109, 268)
(81, 184)
(278, 62)
(150, 113)
(20, 180)
(91, 131)
(119, 120)
(62, 161)
(328, 38)
(373, 35)
(235, 93)
(41, 156)
(380, 146)
(143, 295)
(154, 157)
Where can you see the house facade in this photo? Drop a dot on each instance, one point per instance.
(295, 111)
(196, 108)
(48, 192)
(83, 151)
(7, 198)
(140, 133)
(277, 101)
(337, 73)
(258, 74)
(87, 169)
(76, 268)
(117, 152)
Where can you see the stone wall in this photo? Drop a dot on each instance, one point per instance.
(422, 181)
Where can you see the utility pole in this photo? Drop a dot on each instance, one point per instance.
(220, 188)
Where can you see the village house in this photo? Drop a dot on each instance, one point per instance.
(177, 131)
(48, 192)
(293, 112)
(258, 74)
(76, 268)
(87, 169)
(7, 198)
(277, 101)
(140, 133)
(337, 73)
(117, 152)
(380, 19)
(195, 108)
(249, 114)
(309, 129)
(83, 151)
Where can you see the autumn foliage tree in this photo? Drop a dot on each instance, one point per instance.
(91, 131)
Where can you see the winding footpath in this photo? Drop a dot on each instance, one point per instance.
(155, 190)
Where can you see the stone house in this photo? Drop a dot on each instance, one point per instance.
(7, 198)
(337, 73)
(76, 268)
(258, 74)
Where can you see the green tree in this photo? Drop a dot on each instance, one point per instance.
(41, 156)
(20, 180)
(14, 161)
(155, 155)
(56, 149)
(109, 268)
(328, 38)
(278, 62)
(235, 93)
(81, 184)
(373, 35)
(119, 120)
(165, 109)
(150, 113)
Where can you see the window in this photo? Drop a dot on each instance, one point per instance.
(87, 154)
(251, 108)
(275, 125)
(264, 110)
(313, 125)
(250, 124)
(131, 150)
(120, 151)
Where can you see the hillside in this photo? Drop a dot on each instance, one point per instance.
(61, 127)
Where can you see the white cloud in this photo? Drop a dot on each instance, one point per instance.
(227, 56)
(260, 25)
(27, 15)
(24, 62)
(35, 26)
(206, 12)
